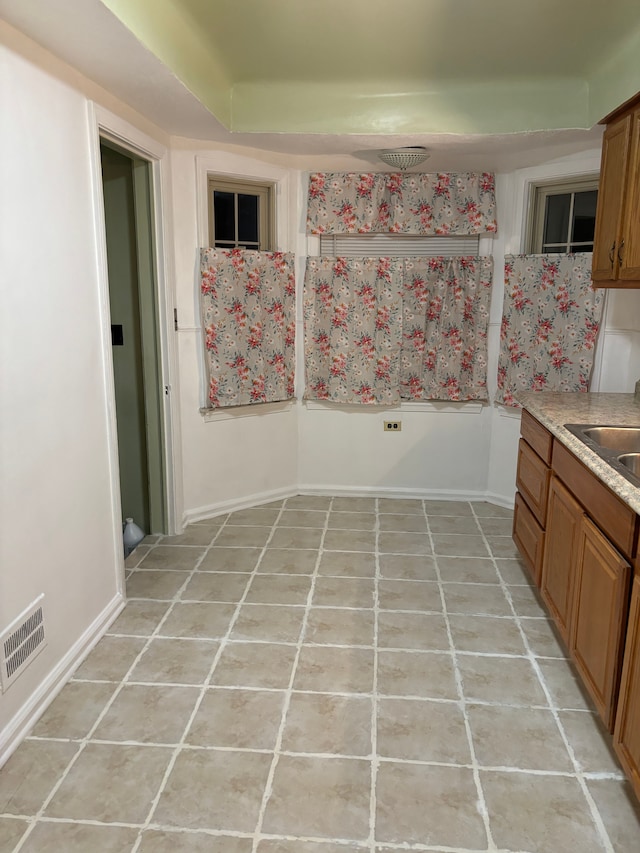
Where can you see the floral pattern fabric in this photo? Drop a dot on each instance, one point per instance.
(445, 322)
(550, 323)
(378, 330)
(442, 203)
(248, 315)
(353, 329)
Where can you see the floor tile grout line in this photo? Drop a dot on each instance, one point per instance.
(507, 590)
(338, 693)
(82, 744)
(408, 762)
(578, 774)
(207, 681)
(482, 805)
(373, 803)
(268, 789)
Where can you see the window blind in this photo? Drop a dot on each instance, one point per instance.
(396, 245)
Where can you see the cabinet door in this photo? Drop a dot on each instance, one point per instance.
(629, 251)
(613, 169)
(564, 517)
(626, 738)
(599, 611)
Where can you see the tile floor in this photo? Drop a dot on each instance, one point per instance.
(323, 675)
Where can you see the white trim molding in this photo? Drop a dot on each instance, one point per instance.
(18, 728)
(104, 124)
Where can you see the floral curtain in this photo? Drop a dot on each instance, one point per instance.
(248, 315)
(378, 330)
(353, 329)
(445, 321)
(443, 203)
(550, 323)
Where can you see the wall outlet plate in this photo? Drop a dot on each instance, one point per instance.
(392, 426)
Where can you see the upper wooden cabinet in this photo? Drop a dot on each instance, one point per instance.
(616, 248)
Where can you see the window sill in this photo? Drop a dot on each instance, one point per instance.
(252, 410)
(509, 411)
(433, 406)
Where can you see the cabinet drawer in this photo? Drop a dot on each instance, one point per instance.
(605, 508)
(537, 437)
(529, 537)
(532, 480)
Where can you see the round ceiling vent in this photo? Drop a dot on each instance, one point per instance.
(403, 158)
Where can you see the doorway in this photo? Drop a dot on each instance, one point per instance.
(128, 215)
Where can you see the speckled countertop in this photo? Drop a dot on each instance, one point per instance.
(555, 410)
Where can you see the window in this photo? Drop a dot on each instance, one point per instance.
(395, 245)
(563, 216)
(240, 214)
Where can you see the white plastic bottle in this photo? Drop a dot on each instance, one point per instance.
(131, 536)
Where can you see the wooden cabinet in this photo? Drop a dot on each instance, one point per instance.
(532, 481)
(627, 731)
(560, 555)
(585, 583)
(529, 537)
(578, 540)
(601, 588)
(616, 249)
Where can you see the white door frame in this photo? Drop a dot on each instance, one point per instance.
(104, 124)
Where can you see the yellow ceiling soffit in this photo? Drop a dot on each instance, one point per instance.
(480, 107)
(162, 29)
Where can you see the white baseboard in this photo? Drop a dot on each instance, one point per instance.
(201, 513)
(396, 492)
(500, 500)
(23, 721)
(212, 510)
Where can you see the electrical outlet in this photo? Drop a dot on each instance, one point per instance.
(392, 426)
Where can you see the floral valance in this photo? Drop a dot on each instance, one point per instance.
(550, 323)
(248, 316)
(442, 203)
(379, 330)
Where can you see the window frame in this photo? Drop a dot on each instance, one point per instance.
(539, 192)
(263, 190)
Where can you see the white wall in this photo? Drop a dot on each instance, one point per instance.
(58, 521)
(459, 454)
(617, 357)
(58, 511)
(229, 460)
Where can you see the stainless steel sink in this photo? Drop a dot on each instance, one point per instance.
(631, 461)
(622, 438)
(619, 446)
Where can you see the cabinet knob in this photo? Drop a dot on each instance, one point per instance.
(611, 251)
(620, 248)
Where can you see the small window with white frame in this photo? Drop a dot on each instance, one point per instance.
(562, 215)
(241, 214)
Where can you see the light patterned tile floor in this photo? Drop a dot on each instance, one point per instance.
(323, 675)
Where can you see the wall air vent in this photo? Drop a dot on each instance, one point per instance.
(21, 642)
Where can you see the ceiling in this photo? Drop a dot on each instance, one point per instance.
(472, 81)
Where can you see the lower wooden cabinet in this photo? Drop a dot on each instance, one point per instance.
(529, 537)
(627, 731)
(564, 517)
(579, 540)
(532, 480)
(598, 618)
